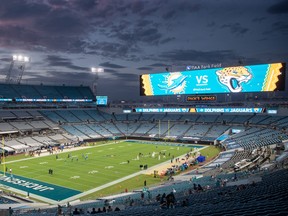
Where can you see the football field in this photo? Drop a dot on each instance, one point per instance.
(78, 171)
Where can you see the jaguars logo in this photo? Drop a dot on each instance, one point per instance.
(232, 77)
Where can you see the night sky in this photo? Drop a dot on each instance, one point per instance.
(65, 38)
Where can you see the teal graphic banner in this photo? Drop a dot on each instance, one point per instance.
(202, 110)
(39, 188)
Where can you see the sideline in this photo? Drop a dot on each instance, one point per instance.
(45, 154)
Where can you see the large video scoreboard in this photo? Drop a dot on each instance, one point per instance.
(102, 100)
(251, 78)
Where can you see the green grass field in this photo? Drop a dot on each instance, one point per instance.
(137, 182)
(94, 166)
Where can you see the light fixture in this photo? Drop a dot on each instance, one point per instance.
(21, 58)
(97, 70)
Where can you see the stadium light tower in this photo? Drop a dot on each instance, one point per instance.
(96, 71)
(16, 68)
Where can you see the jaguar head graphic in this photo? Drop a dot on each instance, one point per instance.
(232, 77)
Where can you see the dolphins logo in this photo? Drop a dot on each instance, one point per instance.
(175, 83)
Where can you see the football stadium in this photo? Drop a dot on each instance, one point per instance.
(138, 107)
(66, 150)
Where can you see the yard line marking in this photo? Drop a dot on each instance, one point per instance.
(92, 172)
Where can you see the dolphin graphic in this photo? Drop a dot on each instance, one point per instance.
(175, 83)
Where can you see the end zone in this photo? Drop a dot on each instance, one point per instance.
(33, 187)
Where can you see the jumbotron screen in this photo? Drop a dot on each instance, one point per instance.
(102, 100)
(251, 78)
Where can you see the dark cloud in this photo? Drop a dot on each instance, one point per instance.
(113, 50)
(167, 40)
(103, 9)
(110, 71)
(111, 65)
(149, 12)
(120, 76)
(277, 27)
(62, 22)
(57, 61)
(211, 24)
(54, 60)
(150, 35)
(6, 59)
(62, 43)
(18, 36)
(54, 28)
(137, 35)
(280, 27)
(57, 2)
(259, 19)
(158, 65)
(143, 23)
(18, 9)
(131, 90)
(190, 56)
(75, 45)
(127, 76)
(38, 37)
(169, 14)
(137, 6)
(235, 28)
(188, 6)
(145, 68)
(123, 25)
(279, 8)
(86, 5)
(78, 68)
(68, 78)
